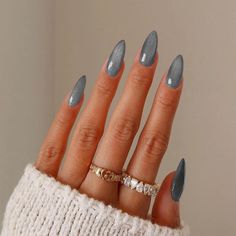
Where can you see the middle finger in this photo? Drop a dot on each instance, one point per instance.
(124, 123)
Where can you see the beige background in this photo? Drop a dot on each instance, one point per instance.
(46, 45)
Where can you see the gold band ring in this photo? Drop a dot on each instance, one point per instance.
(105, 174)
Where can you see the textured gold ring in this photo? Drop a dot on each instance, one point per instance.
(105, 174)
(140, 186)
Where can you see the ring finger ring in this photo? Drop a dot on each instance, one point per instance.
(140, 186)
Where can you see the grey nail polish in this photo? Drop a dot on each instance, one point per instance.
(175, 72)
(116, 59)
(178, 181)
(149, 49)
(77, 91)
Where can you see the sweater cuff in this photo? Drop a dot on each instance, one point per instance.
(40, 205)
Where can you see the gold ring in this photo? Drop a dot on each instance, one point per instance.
(139, 185)
(105, 174)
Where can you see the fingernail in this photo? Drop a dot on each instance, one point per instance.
(175, 72)
(116, 58)
(149, 49)
(77, 91)
(178, 181)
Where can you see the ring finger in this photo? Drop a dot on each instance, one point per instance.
(153, 141)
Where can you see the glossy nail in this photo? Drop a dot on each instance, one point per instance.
(77, 91)
(116, 59)
(149, 49)
(178, 181)
(175, 72)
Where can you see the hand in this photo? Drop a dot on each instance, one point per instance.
(117, 138)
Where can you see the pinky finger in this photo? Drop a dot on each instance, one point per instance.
(165, 210)
(54, 146)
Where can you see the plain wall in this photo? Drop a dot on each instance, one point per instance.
(26, 86)
(84, 34)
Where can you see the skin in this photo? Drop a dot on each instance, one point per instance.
(116, 142)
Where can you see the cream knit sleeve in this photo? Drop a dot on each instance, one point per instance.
(40, 205)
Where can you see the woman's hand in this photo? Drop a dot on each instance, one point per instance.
(117, 138)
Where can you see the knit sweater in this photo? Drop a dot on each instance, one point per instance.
(40, 205)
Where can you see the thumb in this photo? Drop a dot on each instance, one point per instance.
(165, 210)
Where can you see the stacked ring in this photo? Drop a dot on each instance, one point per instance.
(127, 180)
(105, 174)
(140, 186)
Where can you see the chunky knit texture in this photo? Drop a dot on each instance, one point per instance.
(40, 205)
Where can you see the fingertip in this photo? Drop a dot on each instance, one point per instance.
(77, 92)
(65, 105)
(116, 59)
(105, 75)
(152, 66)
(175, 73)
(165, 210)
(164, 83)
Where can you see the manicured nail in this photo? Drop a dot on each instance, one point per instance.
(116, 58)
(175, 72)
(77, 91)
(178, 181)
(149, 49)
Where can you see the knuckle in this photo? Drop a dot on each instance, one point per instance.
(142, 80)
(88, 136)
(124, 129)
(155, 144)
(104, 89)
(50, 153)
(61, 122)
(166, 102)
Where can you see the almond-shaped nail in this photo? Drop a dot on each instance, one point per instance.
(175, 72)
(149, 48)
(116, 59)
(77, 91)
(178, 181)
